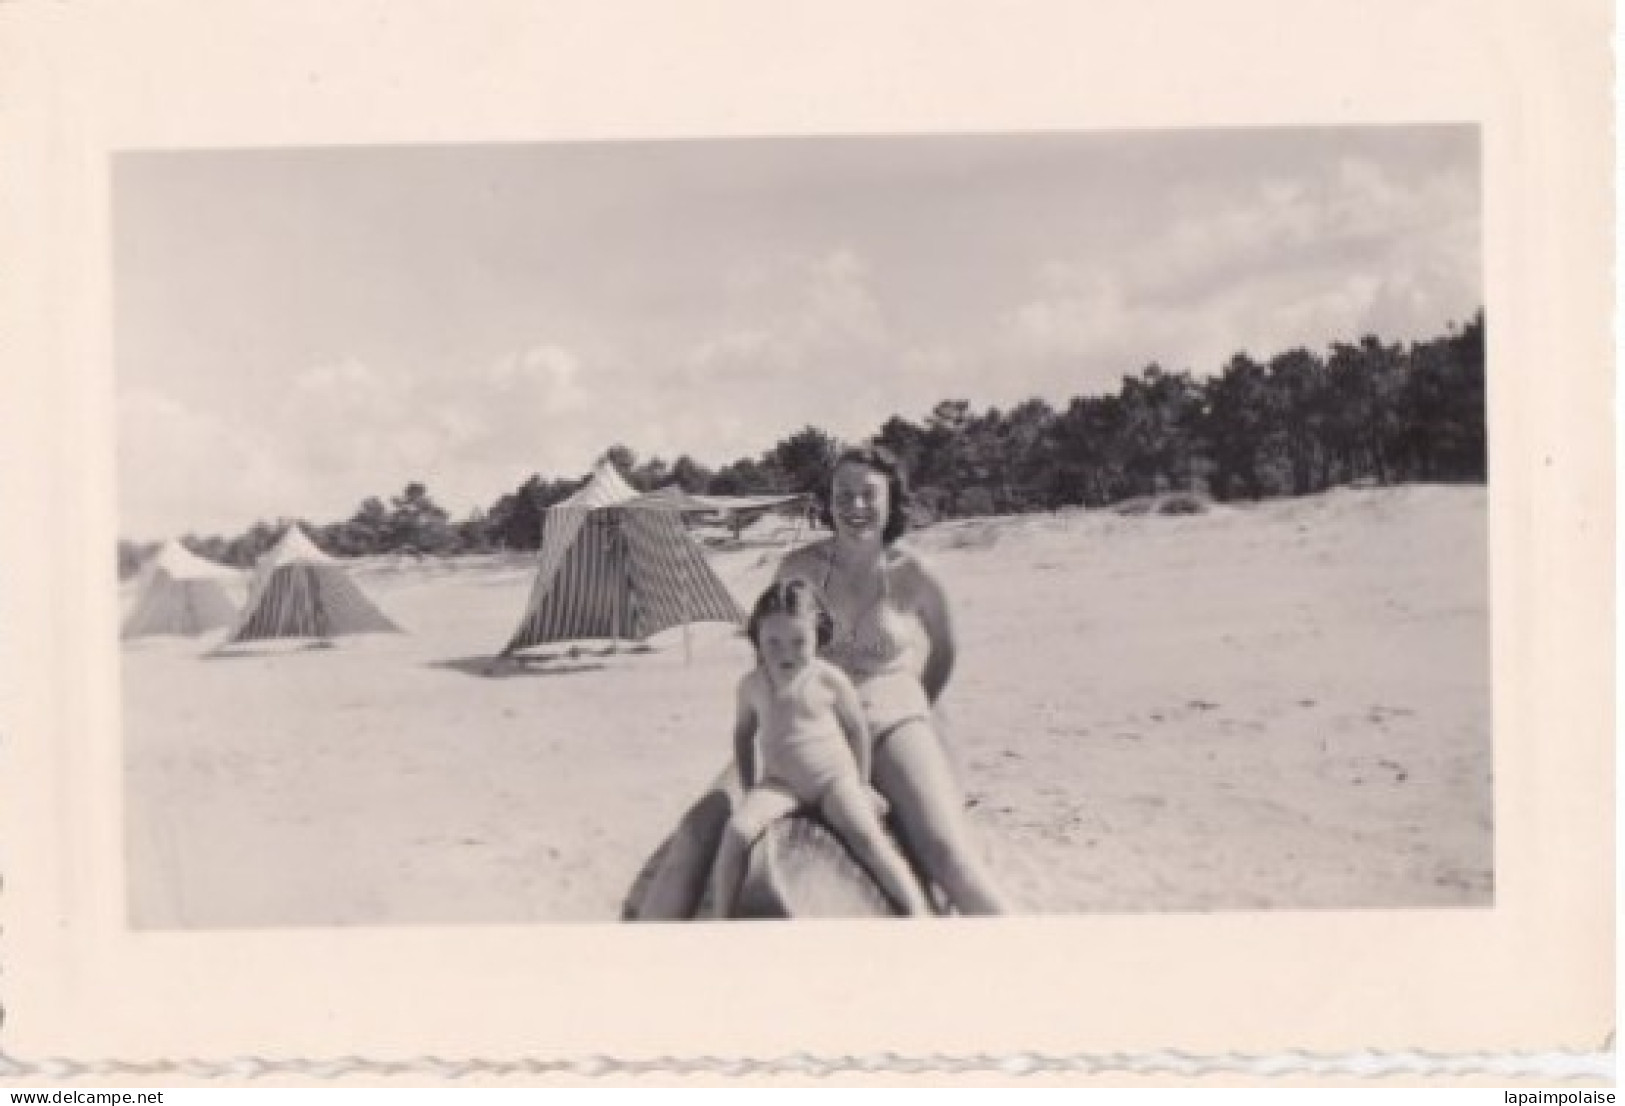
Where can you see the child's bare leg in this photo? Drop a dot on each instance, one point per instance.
(761, 806)
(728, 870)
(852, 815)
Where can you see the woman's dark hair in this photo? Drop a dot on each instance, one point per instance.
(882, 460)
(795, 598)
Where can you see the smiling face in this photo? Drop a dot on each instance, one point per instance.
(860, 502)
(786, 644)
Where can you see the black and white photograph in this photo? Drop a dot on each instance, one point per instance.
(556, 542)
(931, 525)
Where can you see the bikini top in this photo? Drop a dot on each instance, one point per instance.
(877, 639)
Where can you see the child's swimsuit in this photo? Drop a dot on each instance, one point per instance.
(806, 757)
(884, 651)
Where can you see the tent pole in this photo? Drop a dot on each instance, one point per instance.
(688, 653)
(620, 592)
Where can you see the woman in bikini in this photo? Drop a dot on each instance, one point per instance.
(893, 638)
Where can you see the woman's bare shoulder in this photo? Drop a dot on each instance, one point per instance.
(807, 562)
(909, 569)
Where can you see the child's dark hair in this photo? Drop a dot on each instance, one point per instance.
(795, 598)
(882, 460)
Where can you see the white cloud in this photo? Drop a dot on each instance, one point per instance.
(1286, 263)
(348, 420)
(839, 324)
(797, 325)
(345, 430)
(838, 307)
(545, 378)
(741, 350)
(181, 469)
(1080, 311)
(795, 307)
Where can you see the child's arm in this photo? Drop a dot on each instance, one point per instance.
(850, 712)
(744, 734)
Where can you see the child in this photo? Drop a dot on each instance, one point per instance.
(814, 745)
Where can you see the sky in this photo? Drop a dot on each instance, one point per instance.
(296, 330)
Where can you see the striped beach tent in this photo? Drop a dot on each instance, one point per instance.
(181, 594)
(618, 565)
(298, 591)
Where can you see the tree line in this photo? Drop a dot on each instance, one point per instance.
(1292, 424)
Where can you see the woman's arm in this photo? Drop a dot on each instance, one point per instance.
(850, 711)
(930, 603)
(806, 563)
(744, 735)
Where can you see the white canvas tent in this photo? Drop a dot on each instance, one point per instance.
(730, 511)
(180, 594)
(674, 497)
(300, 591)
(618, 565)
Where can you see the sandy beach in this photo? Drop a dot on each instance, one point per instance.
(1273, 706)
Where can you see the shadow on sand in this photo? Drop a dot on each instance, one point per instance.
(282, 649)
(498, 668)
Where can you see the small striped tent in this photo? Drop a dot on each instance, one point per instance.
(298, 591)
(617, 565)
(181, 594)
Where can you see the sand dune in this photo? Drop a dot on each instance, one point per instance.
(1276, 706)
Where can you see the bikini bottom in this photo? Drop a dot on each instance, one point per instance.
(891, 700)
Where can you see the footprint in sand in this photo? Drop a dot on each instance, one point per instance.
(1379, 714)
